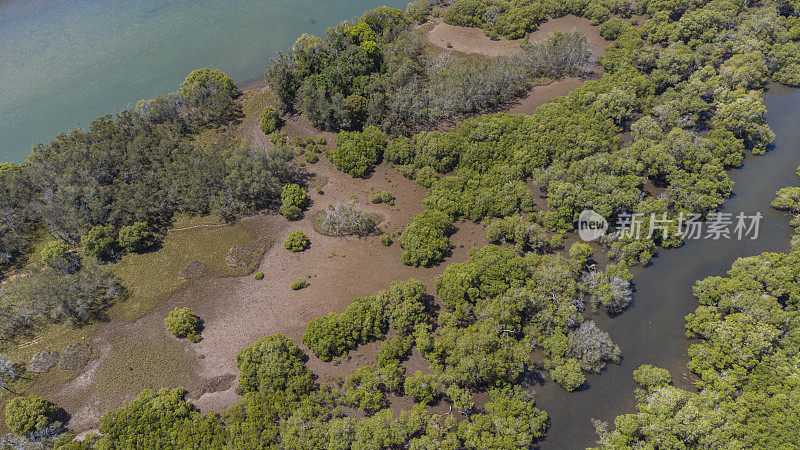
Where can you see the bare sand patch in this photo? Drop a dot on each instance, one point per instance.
(240, 311)
(468, 40)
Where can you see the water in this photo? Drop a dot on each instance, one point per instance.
(652, 330)
(66, 62)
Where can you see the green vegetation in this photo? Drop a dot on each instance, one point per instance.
(259, 276)
(269, 121)
(400, 307)
(136, 237)
(297, 241)
(382, 197)
(99, 242)
(376, 71)
(357, 153)
(299, 283)
(515, 19)
(273, 365)
(743, 356)
(678, 104)
(204, 81)
(25, 415)
(425, 241)
(142, 165)
(184, 323)
(294, 200)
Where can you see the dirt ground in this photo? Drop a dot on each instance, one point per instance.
(237, 311)
(474, 41)
(469, 40)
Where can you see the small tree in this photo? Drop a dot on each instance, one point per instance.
(297, 242)
(270, 120)
(293, 200)
(99, 242)
(136, 237)
(25, 415)
(60, 256)
(183, 323)
(206, 80)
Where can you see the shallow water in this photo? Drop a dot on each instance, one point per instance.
(66, 62)
(652, 330)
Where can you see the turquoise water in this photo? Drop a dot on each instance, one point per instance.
(65, 62)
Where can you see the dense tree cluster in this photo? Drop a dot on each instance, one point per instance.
(376, 71)
(400, 308)
(357, 152)
(745, 355)
(514, 19)
(679, 103)
(663, 84)
(138, 166)
(73, 292)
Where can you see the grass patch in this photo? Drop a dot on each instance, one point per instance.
(152, 277)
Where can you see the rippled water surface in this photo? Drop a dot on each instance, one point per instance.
(66, 62)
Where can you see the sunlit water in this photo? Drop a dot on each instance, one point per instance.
(66, 62)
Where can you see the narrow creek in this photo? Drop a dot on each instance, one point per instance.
(651, 331)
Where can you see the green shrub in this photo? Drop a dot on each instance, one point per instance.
(293, 200)
(425, 176)
(425, 240)
(311, 157)
(183, 323)
(356, 153)
(163, 419)
(788, 199)
(270, 120)
(136, 237)
(99, 242)
(58, 255)
(649, 377)
(386, 240)
(24, 415)
(613, 28)
(400, 151)
(321, 140)
(297, 241)
(382, 197)
(423, 387)
(300, 283)
(394, 351)
(273, 365)
(567, 374)
(259, 276)
(418, 10)
(366, 319)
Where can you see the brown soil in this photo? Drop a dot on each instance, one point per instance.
(468, 40)
(237, 311)
(569, 24)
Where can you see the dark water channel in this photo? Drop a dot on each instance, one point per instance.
(651, 331)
